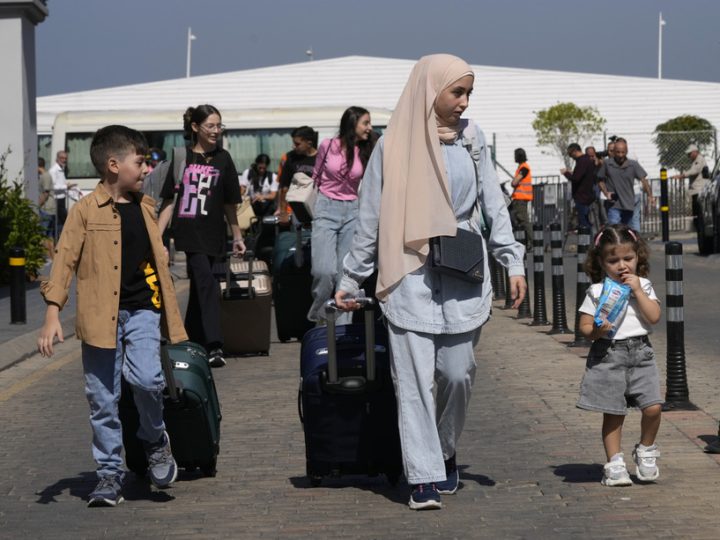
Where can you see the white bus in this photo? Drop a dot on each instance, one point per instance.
(249, 132)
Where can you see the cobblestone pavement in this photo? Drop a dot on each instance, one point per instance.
(530, 461)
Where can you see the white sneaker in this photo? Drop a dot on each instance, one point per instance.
(645, 461)
(615, 472)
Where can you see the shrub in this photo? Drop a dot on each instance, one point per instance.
(19, 225)
(564, 123)
(674, 136)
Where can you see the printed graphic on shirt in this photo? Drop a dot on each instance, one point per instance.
(198, 182)
(151, 279)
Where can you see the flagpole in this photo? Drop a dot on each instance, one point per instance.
(190, 38)
(661, 23)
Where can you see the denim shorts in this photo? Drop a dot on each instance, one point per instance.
(620, 374)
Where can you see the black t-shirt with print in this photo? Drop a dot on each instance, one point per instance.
(139, 287)
(209, 182)
(296, 163)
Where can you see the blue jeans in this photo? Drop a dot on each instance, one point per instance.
(333, 228)
(47, 222)
(616, 215)
(137, 358)
(583, 212)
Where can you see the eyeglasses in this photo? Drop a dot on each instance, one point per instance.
(213, 127)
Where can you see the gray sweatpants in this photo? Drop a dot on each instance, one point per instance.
(430, 426)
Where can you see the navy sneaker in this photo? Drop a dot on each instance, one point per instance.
(449, 486)
(216, 358)
(107, 492)
(161, 464)
(425, 497)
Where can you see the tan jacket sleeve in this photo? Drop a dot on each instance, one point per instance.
(67, 255)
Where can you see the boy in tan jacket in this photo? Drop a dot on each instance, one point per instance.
(124, 295)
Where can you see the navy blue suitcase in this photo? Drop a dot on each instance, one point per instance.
(292, 283)
(347, 402)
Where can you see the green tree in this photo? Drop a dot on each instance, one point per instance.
(565, 123)
(19, 225)
(674, 136)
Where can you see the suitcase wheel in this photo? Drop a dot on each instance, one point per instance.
(209, 469)
(393, 478)
(315, 480)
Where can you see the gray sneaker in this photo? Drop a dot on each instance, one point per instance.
(107, 492)
(646, 462)
(615, 473)
(161, 464)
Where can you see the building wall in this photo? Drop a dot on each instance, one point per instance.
(17, 93)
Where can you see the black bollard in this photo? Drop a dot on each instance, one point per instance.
(664, 206)
(677, 395)
(524, 309)
(583, 282)
(540, 318)
(559, 324)
(508, 290)
(18, 312)
(498, 279)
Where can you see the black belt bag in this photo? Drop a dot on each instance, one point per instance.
(461, 256)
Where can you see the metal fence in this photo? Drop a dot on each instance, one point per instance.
(678, 203)
(651, 150)
(552, 203)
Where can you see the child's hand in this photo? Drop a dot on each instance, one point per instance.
(50, 329)
(632, 281)
(602, 330)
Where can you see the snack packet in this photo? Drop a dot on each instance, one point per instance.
(612, 304)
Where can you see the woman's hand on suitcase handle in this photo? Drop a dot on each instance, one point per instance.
(345, 301)
(238, 247)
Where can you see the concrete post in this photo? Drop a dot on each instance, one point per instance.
(18, 123)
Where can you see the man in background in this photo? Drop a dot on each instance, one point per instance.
(60, 187)
(46, 205)
(582, 181)
(698, 174)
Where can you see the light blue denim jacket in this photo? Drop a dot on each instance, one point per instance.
(425, 301)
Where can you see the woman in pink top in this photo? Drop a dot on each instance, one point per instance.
(339, 167)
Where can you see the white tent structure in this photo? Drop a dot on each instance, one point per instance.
(503, 104)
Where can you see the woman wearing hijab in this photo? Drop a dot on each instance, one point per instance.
(426, 178)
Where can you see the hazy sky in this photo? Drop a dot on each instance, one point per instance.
(87, 44)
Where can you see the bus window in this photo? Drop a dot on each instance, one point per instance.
(45, 149)
(245, 145)
(79, 164)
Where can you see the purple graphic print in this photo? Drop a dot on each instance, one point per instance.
(198, 182)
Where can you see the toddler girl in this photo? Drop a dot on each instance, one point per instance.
(621, 371)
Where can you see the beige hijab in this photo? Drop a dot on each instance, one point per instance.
(416, 203)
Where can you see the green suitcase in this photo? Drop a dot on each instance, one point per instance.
(191, 411)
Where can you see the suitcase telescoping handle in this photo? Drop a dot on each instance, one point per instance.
(167, 367)
(299, 258)
(249, 257)
(330, 308)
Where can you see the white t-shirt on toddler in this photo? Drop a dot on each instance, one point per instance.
(631, 324)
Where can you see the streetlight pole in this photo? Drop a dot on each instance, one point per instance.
(190, 38)
(661, 23)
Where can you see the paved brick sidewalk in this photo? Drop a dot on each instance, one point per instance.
(530, 462)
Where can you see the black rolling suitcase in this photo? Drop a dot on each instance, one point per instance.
(292, 283)
(245, 309)
(347, 401)
(191, 412)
